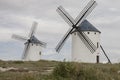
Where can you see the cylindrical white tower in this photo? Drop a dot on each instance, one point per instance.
(33, 53)
(80, 53)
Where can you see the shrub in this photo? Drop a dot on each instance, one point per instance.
(67, 70)
(79, 71)
(18, 62)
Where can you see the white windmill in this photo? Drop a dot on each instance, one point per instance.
(33, 46)
(85, 37)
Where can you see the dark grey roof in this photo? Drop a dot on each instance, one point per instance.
(34, 40)
(87, 26)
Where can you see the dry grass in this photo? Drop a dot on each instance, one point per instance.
(27, 70)
(61, 71)
(76, 71)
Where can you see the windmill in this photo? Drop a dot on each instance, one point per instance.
(85, 37)
(33, 46)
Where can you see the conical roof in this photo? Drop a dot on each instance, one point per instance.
(87, 26)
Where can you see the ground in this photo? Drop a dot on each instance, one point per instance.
(53, 70)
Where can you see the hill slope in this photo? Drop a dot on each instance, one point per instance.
(52, 70)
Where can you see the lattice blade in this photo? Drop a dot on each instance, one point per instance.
(61, 43)
(25, 52)
(32, 31)
(85, 12)
(67, 18)
(43, 44)
(87, 42)
(14, 36)
(90, 41)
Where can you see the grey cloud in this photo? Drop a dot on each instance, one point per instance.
(16, 16)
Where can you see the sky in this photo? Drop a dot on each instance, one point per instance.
(17, 16)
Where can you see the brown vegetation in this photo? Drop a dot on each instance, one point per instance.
(52, 70)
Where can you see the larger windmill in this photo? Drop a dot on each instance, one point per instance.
(33, 46)
(85, 37)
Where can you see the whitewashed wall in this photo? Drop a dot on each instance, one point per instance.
(80, 52)
(34, 53)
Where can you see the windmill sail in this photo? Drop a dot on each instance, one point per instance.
(74, 23)
(43, 44)
(32, 31)
(25, 52)
(61, 11)
(19, 37)
(85, 12)
(90, 42)
(61, 43)
(85, 41)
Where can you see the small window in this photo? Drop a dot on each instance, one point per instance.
(32, 44)
(75, 33)
(36, 44)
(39, 53)
(88, 32)
(97, 44)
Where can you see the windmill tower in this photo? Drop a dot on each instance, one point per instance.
(85, 37)
(33, 47)
(80, 50)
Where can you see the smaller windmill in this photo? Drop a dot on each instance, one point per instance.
(33, 46)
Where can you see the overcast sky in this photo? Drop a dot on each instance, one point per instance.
(16, 17)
